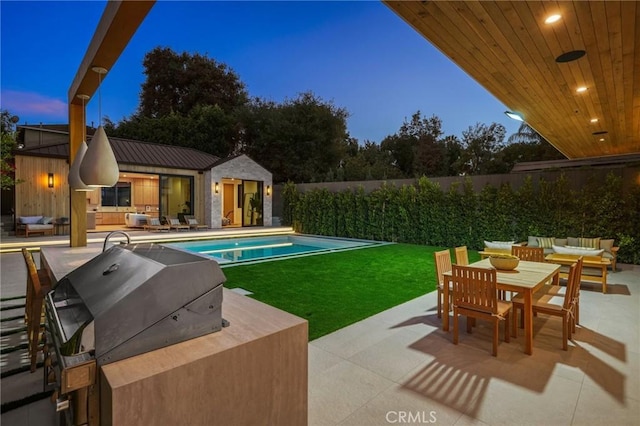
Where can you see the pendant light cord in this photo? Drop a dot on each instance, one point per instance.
(99, 99)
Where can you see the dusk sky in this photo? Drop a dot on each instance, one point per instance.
(359, 55)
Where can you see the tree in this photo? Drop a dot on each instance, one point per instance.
(481, 144)
(299, 140)
(7, 145)
(177, 83)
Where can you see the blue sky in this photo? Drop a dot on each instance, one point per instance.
(360, 55)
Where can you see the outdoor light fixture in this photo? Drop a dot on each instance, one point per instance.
(75, 182)
(514, 115)
(552, 18)
(217, 187)
(268, 190)
(50, 180)
(99, 167)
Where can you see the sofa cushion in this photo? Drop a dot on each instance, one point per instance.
(40, 226)
(29, 219)
(573, 242)
(45, 220)
(499, 245)
(607, 245)
(546, 242)
(578, 251)
(561, 242)
(589, 242)
(532, 241)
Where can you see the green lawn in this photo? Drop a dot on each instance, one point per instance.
(334, 290)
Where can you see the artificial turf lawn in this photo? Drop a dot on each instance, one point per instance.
(334, 290)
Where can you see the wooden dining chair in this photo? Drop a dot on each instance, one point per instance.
(443, 264)
(462, 255)
(475, 295)
(530, 254)
(38, 284)
(551, 300)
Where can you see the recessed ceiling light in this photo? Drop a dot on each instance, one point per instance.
(601, 139)
(594, 120)
(571, 56)
(552, 18)
(581, 89)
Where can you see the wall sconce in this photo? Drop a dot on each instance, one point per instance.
(268, 190)
(217, 187)
(50, 180)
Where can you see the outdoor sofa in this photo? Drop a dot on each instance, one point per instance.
(577, 246)
(34, 225)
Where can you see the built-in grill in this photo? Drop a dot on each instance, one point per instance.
(129, 300)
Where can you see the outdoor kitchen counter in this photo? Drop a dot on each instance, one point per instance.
(252, 372)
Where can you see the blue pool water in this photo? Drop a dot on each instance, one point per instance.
(238, 250)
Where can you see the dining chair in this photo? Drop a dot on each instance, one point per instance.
(551, 300)
(38, 284)
(443, 264)
(475, 295)
(462, 255)
(531, 254)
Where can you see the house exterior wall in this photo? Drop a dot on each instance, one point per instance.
(241, 167)
(33, 137)
(33, 196)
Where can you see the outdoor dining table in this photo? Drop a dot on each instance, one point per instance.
(525, 279)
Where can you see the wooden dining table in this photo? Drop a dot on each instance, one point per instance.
(526, 279)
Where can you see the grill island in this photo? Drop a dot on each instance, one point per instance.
(129, 300)
(253, 372)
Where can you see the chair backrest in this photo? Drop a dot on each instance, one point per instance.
(154, 221)
(531, 254)
(443, 264)
(475, 288)
(577, 279)
(174, 221)
(192, 221)
(571, 286)
(462, 255)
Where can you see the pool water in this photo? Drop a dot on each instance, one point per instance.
(237, 250)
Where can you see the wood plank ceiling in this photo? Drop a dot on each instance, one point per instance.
(507, 47)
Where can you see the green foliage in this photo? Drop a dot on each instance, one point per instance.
(7, 145)
(424, 214)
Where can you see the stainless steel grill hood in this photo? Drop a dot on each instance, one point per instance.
(133, 299)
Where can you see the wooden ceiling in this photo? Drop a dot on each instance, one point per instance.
(508, 48)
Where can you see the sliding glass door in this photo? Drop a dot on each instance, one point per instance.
(176, 196)
(251, 203)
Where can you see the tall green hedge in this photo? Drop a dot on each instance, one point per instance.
(425, 214)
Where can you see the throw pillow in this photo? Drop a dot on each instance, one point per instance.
(546, 242)
(578, 251)
(606, 245)
(532, 241)
(589, 242)
(572, 242)
(499, 245)
(29, 219)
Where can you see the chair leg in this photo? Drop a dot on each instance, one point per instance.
(506, 328)
(455, 326)
(470, 323)
(565, 332)
(514, 322)
(439, 303)
(496, 333)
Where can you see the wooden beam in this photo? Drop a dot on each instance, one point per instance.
(118, 23)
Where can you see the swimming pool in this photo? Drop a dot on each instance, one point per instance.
(239, 250)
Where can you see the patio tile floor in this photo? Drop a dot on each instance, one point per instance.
(399, 367)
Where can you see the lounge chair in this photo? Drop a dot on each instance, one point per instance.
(193, 224)
(174, 223)
(154, 225)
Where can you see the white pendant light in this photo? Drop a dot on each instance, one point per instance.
(99, 167)
(74, 171)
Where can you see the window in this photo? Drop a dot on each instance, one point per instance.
(118, 195)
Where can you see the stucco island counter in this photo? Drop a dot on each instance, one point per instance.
(253, 372)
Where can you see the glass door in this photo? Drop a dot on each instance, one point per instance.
(252, 203)
(176, 196)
